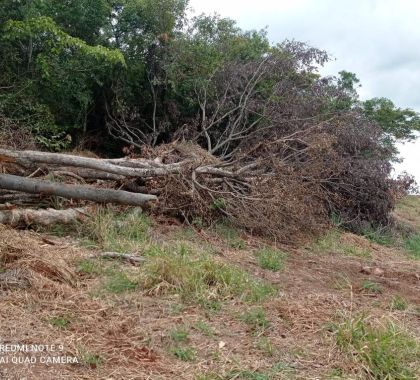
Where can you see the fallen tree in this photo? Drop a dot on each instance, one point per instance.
(35, 186)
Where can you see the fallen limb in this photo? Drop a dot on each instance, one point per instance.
(132, 259)
(28, 157)
(35, 186)
(18, 217)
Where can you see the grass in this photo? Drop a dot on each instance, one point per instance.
(371, 287)
(186, 354)
(332, 242)
(118, 282)
(89, 359)
(412, 244)
(200, 279)
(179, 334)
(384, 351)
(116, 232)
(204, 328)
(269, 374)
(264, 344)
(398, 303)
(62, 322)
(231, 235)
(90, 267)
(256, 319)
(379, 235)
(271, 259)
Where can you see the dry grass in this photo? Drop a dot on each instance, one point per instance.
(148, 322)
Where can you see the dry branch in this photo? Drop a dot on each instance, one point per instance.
(35, 186)
(18, 217)
(28, 157)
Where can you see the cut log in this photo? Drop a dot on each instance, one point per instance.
(28, 157)
(35, 186)
(18, 217)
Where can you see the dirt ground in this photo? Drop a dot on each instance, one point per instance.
(45, 299)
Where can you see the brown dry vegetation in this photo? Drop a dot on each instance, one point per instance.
(125, 322)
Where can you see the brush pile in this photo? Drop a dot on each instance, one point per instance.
(285, 188)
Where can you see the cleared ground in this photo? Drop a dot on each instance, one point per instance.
(210, 303)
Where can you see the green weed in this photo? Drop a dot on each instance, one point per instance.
(200, 280)
(271, 259)
(383, 351)
(412, 244)
(333, 243)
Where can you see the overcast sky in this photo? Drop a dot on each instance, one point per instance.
(379, 40)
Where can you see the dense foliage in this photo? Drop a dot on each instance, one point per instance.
(115, 73)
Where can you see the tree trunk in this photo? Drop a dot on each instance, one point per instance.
(18, 217)
(28, 157)
(34, 186)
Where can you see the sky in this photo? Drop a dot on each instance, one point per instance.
(379, 40)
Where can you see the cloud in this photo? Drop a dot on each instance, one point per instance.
(376, 39)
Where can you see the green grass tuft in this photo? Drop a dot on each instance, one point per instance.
(204, 328)
(380, 235)
(371, 287)
(116, 232)
(412, 244)
(179, 334)
(271, 259)
(186, 354)
(398, 303)
(333, 243)
(118, 282)
(231, 235)
(62, 321)
(384, 351)
(199, 280)
(256, 319)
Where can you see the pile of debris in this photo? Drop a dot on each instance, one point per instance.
(179, 179)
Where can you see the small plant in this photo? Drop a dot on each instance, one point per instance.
(186, 354)
(218, 204)
(333, 242)
(412, 244)
(89, 359)
(231, 235)
(116, 232)
(179, 334)
(398, 303)
(271, 259)
(204, 328)
(118, 282)
(379, 235)
(371, 287)
(383, 351)
(264, 344)
(89, 267)
(61, 322)
(256, 319)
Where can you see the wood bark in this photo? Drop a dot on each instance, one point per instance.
(18, 217)
(28, 157)
(35, 186)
